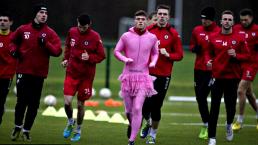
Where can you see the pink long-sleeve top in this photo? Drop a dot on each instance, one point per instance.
(143, 49)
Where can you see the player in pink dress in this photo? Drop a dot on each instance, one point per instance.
(138, 49)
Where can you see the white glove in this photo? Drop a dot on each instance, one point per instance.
(164, 52)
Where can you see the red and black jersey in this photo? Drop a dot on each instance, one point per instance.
(170, 40)
(33, 59)
(251, 35)
(7, 62)
(199, 38)
(77, 43)
(225, 66)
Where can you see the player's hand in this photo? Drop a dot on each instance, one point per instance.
(64, 63)
(129, 60)
(232, 52)
(85, 55)
(164, 52)
(152, 65)
(209, 64)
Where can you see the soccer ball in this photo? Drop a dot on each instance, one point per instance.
(93, 92)
(120, 94)
(50, 100)
(105, 93)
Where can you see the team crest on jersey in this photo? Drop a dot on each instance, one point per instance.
(1, 44)
(166, 37)
(44, 35)
(233, 42)
(253, 34)
(72, 42)
(26, 35)
(86, 43)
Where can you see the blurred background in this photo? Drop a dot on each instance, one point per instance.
(107, 14)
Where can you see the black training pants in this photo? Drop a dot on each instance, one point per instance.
(28, 98)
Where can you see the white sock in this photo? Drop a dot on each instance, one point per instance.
(19, 126)
(240, 118)
(78, 129)
(24, 130)
(70, 121)
(153, 133)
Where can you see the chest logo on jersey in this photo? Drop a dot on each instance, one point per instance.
(86, 43)
(44, 35)
(233, 42)
(26, 35)
(1, 44)
(72, 42)
(166, 37)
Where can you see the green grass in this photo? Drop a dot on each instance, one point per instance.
(174, 127)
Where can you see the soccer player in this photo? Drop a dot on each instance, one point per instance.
(83, 50)
(202, 75)
(135, 48)
(245, 89)
(8, 63)
(152, 18)
(227, 49)
(32, 44)
(170, 48)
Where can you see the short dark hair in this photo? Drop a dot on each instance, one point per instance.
(140, 13)
(6, 14)
(152, 14)
(84, 19)
(227, 12)
(245, 12)
(162, 6)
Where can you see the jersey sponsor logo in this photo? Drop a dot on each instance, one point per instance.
(218, 41)
(26, 35)
(1, 44)
(86, 43)
(166, 37)
(72, 42)
(233, 42)
(224, 43)
(202, 34)
(248, 74)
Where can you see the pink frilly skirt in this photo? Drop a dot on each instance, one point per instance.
(132, 83)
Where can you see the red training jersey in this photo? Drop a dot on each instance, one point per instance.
(77, 43)
(170, 40)
(200, 36)
(7, 62)
(225, 66)
(33, 59)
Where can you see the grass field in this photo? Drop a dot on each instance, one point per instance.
(180, 121)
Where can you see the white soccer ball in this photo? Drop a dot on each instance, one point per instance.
(120, 94)
(50, 100)
(105, 93)
(93, 92)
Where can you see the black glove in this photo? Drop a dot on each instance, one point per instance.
(197, 49)
(42, 40)
(256, 47)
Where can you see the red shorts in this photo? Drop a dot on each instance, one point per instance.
(249, 73)
(83, 87)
